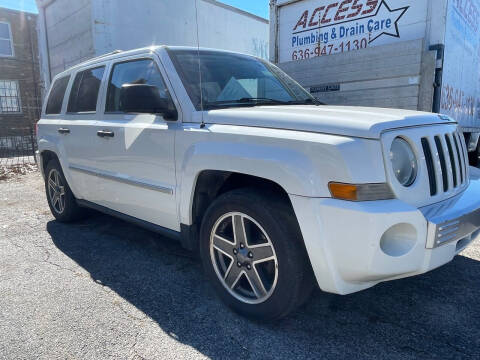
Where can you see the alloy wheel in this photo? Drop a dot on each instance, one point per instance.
(56, 191)
(244, 258)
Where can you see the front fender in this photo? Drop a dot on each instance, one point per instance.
(301, 163)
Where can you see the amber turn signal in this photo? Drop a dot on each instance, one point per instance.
(360, 192)
(343, 191)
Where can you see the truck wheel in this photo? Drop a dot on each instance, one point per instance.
(252, 252)
(61, 201)
(474, 156)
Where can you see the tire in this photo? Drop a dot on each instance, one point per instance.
(64, 207)
(474, 156)
(271, 231)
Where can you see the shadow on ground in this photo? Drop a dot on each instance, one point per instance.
(429, 316)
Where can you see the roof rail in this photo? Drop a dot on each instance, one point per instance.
(107, 54)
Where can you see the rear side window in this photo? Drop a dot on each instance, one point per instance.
(143, 71)
(84, 94)
(55, 100)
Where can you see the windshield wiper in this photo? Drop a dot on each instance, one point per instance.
(247, 101)
(253, 101)
(313, 101)
(261, 100)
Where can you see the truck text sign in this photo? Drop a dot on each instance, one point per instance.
(324, 27)
(461, 79)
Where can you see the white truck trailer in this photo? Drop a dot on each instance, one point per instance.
(73, 31)
(410, 54)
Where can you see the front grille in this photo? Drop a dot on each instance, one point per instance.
(446, 161)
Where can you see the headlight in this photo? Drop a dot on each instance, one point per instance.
(404, 162)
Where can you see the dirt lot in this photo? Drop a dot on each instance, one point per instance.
(102, 289)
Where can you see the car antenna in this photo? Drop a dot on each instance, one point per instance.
(202, 124)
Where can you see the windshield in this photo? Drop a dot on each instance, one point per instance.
(230, 80)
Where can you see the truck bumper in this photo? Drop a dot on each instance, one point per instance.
(353, 246)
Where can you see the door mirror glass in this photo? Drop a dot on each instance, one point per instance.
(144, 98)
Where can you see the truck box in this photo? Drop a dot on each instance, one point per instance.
(411, 54)
(72, 31)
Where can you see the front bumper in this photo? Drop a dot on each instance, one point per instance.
(353, 246)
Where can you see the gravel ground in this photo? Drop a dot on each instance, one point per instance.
(102, 289)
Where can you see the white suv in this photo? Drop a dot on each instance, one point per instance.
(233, 158)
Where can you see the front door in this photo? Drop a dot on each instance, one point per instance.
(134, 152)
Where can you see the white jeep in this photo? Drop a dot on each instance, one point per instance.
(232, 157)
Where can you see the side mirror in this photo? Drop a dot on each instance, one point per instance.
(143, 98)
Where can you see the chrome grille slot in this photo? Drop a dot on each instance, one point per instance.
(443, 163)
(430, 167)
(463, 150)
(446, 161)
(452, 160)
(459, 156)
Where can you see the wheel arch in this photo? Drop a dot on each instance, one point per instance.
(45, 157)
(49, 151)
(210, 184)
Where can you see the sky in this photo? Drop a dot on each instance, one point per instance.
(257, 7)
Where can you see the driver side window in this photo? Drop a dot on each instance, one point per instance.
(136, 72)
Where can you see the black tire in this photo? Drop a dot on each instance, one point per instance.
(71, 211)
(474, 156)
(295, 279)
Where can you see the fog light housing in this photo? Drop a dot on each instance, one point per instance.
(399, 240)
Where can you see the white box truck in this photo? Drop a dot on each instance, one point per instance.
(72, 31)
(411, 54)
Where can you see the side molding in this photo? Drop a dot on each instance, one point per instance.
(123, 179)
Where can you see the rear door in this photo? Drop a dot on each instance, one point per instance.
(77, 129)
(67, 134)
(134, 152)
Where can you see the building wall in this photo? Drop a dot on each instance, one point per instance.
(23, 67)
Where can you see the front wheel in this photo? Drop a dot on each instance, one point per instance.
(253, 253)
(474, 156)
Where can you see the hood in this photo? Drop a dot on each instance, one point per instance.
(338, 120)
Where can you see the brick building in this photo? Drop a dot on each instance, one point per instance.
(20, 92)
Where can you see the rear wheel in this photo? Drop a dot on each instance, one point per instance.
(252, 251)
(61, 200)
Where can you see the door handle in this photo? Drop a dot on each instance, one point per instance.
(105, 133)
(64, 131)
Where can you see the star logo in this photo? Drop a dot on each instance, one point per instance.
(385, 12)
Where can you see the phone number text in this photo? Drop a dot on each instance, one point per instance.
(322, 50)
